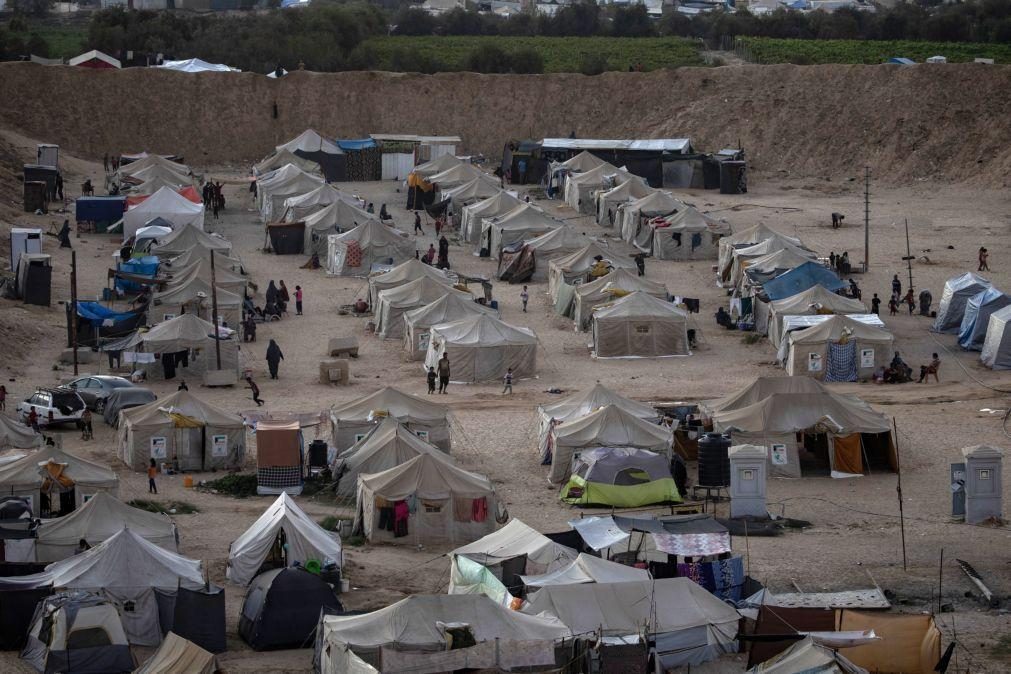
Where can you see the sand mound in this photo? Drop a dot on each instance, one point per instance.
(945, 123)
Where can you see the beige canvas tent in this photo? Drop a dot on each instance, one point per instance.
(277, 186)
(283, 157)
(436, 166)
(618, 283)
(301, 206)
(745, 238)
(133, 168)
(166, 204)
(186, 333)
(838, 349)
(180, 425)
(410, 270)
(458, 175)
(558, 243)
(352, 421)
(574, 268)
(807, 655)
(579, 187)
(482, 348)
(586, 569)
(199, 266)
(762, 269)
(454, 506)
(45, 476)
(609, 201)
(101, 517)
(354, 252)
(639, 326)
(448, 308)
(192, 296)
(633, 217)
(524, 222)
(179, 656)
(815, 300)
(183, 239)
(388, 445)
(395, 302)
(340, 216)
(473, 215)
(687, 235)
(744, 257)
(608, 426)
(470, 192)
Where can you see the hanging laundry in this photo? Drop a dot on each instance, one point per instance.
(480, 509)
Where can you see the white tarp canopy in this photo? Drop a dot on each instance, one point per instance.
(587, 569)
(99, 519)
(150, 160)
(304, 540)
(353, 253)
(26, 476)
(196, 65)
(838, 349)
(166, 204)
(482, 348)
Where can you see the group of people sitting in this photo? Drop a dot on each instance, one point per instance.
(275, 305)
(898, 372)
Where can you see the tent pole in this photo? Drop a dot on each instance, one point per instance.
(214, 311)
(867, 219)
(898, 490)
(909, 257)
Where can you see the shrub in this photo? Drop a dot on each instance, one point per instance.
(527, 62)
(488, 58)
(593, 64)
(238, 485)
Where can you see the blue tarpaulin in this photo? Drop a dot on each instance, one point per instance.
(977, 317)
(139, 266)
(96, 314)
(362, 144)
(799, 279)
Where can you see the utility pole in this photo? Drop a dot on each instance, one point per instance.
(73, 306)
(909, 257)
(867, 219)
(214, 312)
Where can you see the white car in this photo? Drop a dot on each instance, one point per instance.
(53, 406)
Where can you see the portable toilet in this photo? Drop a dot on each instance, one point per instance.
(983, 483)
(24, 240)
(48, 155)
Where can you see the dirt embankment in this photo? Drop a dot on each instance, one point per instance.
(945, 123)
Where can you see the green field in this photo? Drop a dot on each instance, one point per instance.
(804, 52)
(560, 54)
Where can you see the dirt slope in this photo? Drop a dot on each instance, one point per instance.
(945, 123)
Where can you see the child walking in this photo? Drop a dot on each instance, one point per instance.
(152, 470)
(298, 300)
(256, 391)
(432, 377)
(508, 379)
(525, 297)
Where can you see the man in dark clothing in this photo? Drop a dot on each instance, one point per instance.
(640, 264)
(876, 304)
(417, 224)
(443, 373)
(443, 253)
(64, 235)
(59, 186)
(431, 380)
(256, 391)
(896, 288)
(126, 252)
(183, 386)
(274, 358)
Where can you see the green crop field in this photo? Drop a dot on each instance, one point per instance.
(804, 52)
(560, 54)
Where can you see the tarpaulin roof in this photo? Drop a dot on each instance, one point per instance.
(807, 656)
(833, 328)
(818, 296)
(482, 330)
(587, 569)
(648, 145)
(148, 160)
(581, 404)
(340, 214)
(516, 539)
(426, 477)
(656, 202)
(620, 279)
(359, 144)
(500, 204)
(196, 65)
(800, 279)
(395, 403)
(405, 272)
(759, 390)
(795, 412)
(97, 315)
(310, 141)
(638, 305)
(560, 241)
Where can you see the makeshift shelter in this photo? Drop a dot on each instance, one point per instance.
(353, 421)
(814, 300)
(192, 296)
(413, 635)
(283, 526)
(608, 201)
(574, 268)
(632, 217)
(55, 482)
(958, 290)
(838, 349)
(353, 253)
(405, 272)
(579, 405)
(807, 655)
(100, 518)
(96, 322)
(190, 237)
(286, 238)
(686, 235)
(275, 188)
(586, 569)
(303, 205)
(15, 435)
(996, 350)
(482, 348)
(177, 655)
(312, 146)
(280, 158)
(617, 284)
(388, 445)
(448, 308)
(125, 569)
(338, 217)
(608, 426)
(529, 260)
(473, 215)
(801, 278)
(196, 65)
(759, 270)
(280, 457)
(976, 319)
(506, 555)
(166, 204)
(620, 477)
(95, 59)
(454, 506)
(688, 625)
(77, 632)
(639, 325)
(181, 426)
(840, 434)
(395, 302)
(282, 608)
(524, 222)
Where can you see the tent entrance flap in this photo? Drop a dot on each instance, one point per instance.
(847, 454)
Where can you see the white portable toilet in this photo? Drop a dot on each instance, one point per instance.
(48, 155)
(747, 481)
(24, 240)
(983, 483)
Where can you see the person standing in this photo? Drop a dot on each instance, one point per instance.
(298, 300)
(896, 287)
(215, 207)
(33, 419)
(256, 391)
(910, 300)
(443, 253)
(274, 358)
(876, 305)
(524, 297)
(87, 433)
(432, 377)
(3, 397)
(983, 257)
(508, 380)
(59, 186)
(640, 264)
(417, 224)
(282, 293)
(64, 235)
(152, 471)
(105, 162)
(443, 371)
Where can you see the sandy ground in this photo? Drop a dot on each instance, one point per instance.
(854, 540)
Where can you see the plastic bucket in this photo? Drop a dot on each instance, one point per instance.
(345, 585)
(188, 481)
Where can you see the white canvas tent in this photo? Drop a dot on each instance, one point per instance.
(526, 221)
(442, 491)
(807, 655)
(190, 333)
(438, 165)
(174, 179)
(473, 215)
(303, 205)
(166, 204)
(633, 217)
(459, 175)
(687, 235)
(762, 269)
(618, 283)
(199, 266)
(481, 348)
(335, 218)
(639, 326)
(448, 308)
(310, 141)
(15, 435)
(275, 188)
(28, 476)
(745, 238)
(190, 237)
(180, 425)
(304, 540)
(354, 420)
(280, 158)
(409, 270)
(996, 353)
(395, 302)
(760, 252)
(155, 183)
(558, 243)
(587, 569)
(838, 349)
(388, 445)
(574, 269)
(100, 518)
(470, 192)
(608, 201)
(958, 290)
(154, 160)
(193, 297)
(579, 187)
(353, 253)
(608, 426)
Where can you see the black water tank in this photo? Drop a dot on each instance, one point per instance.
(317, 454)
(714, 460)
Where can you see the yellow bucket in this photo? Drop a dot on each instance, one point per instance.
(188, 481)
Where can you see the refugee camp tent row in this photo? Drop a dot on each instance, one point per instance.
(759, 270)
(458, 175)
(632, 216)
(958, 290)
(639, 325)
(580, 188)
(483, 348)
(352, 421)
(837, 349)
(275, 188)
(420, 189)
(355, 252)
(576, 268)
(816, 300)
(608, 201)
(55, 482)
(190, 237)
(303, 205)
(193, 296)
(395, 302)
(685, 235)
(742, 240)
(744, 256)
(473, 215)
(447, 309)
(471, 192)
